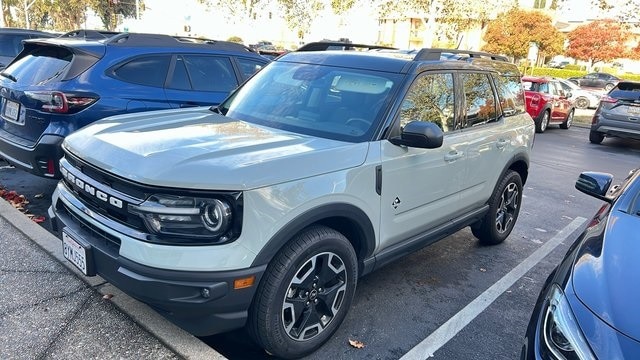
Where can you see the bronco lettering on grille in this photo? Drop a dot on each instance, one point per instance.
(91, 190)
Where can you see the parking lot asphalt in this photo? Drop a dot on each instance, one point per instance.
(49, 311)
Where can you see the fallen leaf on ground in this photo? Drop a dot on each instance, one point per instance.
(107, 296)
(356, 344)
(483, 269)
(38, 219)
(38, 196)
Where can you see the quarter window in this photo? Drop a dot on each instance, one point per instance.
(480, 102)
(431, 98)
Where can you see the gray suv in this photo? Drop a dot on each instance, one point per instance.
(263, 212)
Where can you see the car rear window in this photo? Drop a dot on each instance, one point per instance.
(41, 65)
(626, 90)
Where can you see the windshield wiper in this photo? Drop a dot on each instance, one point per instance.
(9, 76)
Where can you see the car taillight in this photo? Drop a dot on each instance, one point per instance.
(608, 99)
(59, 102)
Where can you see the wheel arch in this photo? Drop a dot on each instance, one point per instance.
(347, 219)
(520, 164)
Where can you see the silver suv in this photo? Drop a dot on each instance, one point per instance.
(326, 165)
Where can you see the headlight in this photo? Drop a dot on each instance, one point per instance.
(210, 220)
(561, 335)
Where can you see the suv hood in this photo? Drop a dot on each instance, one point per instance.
(198, 149)
(606, 273)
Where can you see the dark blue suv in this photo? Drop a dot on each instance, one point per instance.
(56, 86)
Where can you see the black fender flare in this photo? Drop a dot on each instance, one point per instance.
(518, 158)
(362, 234)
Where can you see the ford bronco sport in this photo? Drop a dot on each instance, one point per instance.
(326, 165)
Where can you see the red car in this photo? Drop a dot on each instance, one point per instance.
(547, 102)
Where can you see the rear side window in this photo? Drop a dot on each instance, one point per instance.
(210, 73)
(146, 70)
(510, 94)
(41, 65)
(479, 98)
(248, 66)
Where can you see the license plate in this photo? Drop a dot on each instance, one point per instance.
(11, 110)
(634, 110)
(74, 252)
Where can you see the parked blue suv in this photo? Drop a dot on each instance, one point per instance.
(56, 86)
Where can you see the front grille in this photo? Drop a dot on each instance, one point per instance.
(107, 242)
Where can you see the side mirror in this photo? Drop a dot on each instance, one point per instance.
(420, 134)
(595, 184)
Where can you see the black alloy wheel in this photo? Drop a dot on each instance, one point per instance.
(504, 207)
(305, 293)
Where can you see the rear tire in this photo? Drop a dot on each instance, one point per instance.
(544, 122)
(504, 207)
(582, 102)
(567, 122)
(595, 137)
(305, 293)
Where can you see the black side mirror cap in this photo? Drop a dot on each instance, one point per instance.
(595, 184)
(420, 134)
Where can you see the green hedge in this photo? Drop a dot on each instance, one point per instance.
(567, 73)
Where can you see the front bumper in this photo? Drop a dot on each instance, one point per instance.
(203, 303)
(41, 159)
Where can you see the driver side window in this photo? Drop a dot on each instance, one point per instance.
(431, 98)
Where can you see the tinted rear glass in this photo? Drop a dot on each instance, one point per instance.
(40, 66)
(626, 90)
(146, 70)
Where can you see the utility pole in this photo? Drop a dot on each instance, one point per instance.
(137, 9)
(1, 14)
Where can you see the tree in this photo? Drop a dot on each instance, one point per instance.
(512, 32)
(108, 10)
(299, 14)
(236, 10)
(44, 14)
(451, 17)
(598, 41)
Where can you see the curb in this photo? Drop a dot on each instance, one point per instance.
(179, 341)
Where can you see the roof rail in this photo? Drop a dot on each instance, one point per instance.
(141, 39)
(339, 45)
(436, 54)
(89, 34)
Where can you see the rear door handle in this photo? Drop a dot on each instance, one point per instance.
(453, 155)
(502, 143)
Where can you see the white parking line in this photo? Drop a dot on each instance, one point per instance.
(427, 347)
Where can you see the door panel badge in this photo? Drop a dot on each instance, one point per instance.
(396, 202)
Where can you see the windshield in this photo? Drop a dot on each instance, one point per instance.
(325, 101)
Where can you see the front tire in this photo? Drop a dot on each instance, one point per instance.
(568, 121)
(544, 122)
(504, 207)
(305, 293)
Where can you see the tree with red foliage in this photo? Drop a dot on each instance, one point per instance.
(602, 40)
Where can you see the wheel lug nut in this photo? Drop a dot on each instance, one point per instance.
(315, 301)
(319, 289)
(314, 285)
(308, 303)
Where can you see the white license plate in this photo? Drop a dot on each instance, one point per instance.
(74, 252)
(11, 110)
(634, 110)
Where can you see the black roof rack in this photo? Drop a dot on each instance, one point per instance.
(339, 45)
(89, 34)
(140, 39)
(437, 54)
